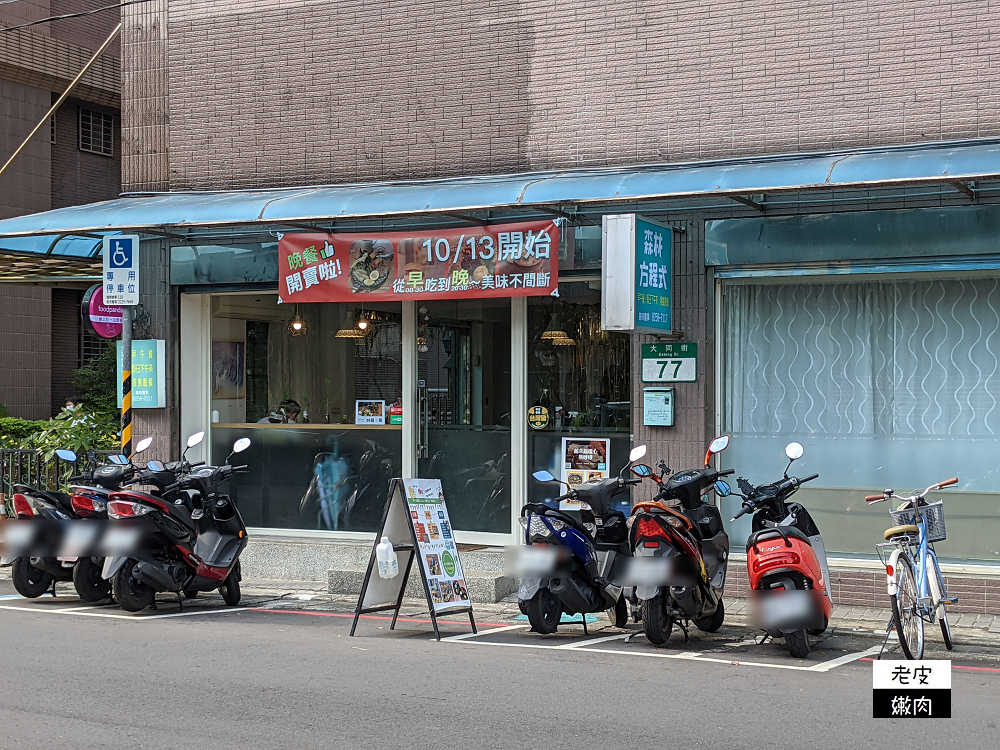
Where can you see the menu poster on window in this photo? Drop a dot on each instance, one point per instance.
(583, 460)
(492, 261)
(369, 412)
(436, 543)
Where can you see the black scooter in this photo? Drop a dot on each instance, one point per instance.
(681, 552)
(187, 546)
(34, 574)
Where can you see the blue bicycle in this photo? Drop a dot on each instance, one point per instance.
(916, 587)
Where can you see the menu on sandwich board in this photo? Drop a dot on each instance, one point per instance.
(417, 524)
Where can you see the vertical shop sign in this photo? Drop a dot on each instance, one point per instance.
(149, 388)
(637, 275)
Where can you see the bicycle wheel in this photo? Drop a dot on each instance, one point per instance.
(909, 625)
(942, 613)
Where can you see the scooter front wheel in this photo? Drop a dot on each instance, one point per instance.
(30, 582)
(544, 611)
(88, 582)
(131, 594)
(798, 643)
(618, 614)
(656, 623)
(714, 621)
(230, 590)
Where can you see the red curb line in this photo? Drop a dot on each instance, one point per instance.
(372, 617)
(970, 669)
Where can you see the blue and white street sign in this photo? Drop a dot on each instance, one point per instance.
(121, 270)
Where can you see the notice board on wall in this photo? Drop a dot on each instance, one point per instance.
(417, 523)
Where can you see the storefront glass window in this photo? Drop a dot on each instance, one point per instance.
(579, 389)
(888, 383)
(318, 398)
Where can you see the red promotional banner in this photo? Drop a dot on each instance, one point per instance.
(502, 260)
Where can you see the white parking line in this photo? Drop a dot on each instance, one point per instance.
(845, 659)
(592, 641)
(465, 636)
(585, 646)
(76, 611)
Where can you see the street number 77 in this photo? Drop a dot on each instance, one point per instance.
(664, 363)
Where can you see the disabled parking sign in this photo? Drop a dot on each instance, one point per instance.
(121, 270)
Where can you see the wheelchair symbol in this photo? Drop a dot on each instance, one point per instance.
(121, 255)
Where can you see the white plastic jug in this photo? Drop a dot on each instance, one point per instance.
(388, 564)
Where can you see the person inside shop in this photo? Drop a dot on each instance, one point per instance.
(287, 412)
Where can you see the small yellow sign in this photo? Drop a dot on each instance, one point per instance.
(538, 417)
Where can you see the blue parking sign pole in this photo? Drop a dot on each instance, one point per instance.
(121, 287)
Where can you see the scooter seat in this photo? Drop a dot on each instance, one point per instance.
(772, 533)
(897, 530)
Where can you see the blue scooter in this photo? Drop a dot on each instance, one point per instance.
(575, 559)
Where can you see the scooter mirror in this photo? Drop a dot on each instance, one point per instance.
(543, 476)
(195, 439)
(119, 459)
(638, 452)
(156, 466)
(719, 444)
(143, 444)
(642, 470)
(65, 455)
(722, 488)
(794, 451)
(241, 445)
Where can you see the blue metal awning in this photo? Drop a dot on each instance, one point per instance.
(951, 163)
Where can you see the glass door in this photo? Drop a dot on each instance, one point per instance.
(464, 405)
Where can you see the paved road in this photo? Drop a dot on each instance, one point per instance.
(247, 678)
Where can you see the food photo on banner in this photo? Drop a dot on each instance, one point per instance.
(502, 260)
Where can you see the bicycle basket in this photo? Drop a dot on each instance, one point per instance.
(932, 513)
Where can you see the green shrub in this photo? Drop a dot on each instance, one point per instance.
(15, 432)
(78, 430)
(97, 382)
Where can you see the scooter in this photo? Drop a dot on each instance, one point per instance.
(786, 560)
(576, 559)
(188, 546)
(680, 552)
(35, 574)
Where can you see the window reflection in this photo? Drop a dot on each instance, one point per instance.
(317, 387)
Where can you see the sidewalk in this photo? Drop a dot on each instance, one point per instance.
(966, 629)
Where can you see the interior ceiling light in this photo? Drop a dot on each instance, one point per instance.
(297, 325)
(360, 329)
(552, 331)
(563, 341)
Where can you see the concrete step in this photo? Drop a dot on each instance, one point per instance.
(484, 576)
(484, 587)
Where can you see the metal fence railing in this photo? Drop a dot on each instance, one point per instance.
(28, 467)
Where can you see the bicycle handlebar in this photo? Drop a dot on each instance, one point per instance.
(887, 494)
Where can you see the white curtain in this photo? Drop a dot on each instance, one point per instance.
(870, 358)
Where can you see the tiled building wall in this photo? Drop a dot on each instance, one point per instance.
(65, 339)
(80, 176)
(27, 360)
(282, 92)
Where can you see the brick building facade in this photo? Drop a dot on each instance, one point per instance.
(36, 66)
(692, 97)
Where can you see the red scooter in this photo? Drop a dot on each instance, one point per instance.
(786, 561)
